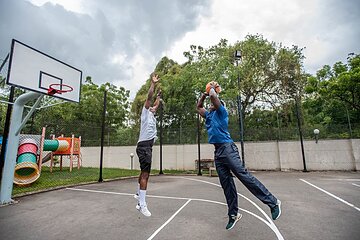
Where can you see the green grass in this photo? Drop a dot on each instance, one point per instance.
(56, 179)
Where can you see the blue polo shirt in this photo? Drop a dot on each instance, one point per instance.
(217, 126)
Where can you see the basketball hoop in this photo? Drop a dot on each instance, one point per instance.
(59, 88)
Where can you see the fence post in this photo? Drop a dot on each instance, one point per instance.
(102, 138)
(300, 133)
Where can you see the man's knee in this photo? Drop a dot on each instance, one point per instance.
(144, 175)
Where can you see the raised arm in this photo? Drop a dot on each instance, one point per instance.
(214, 98)
(154, 79)
(200, 105)
(157, 102)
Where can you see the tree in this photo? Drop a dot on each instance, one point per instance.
(269, 74)
(334, 93)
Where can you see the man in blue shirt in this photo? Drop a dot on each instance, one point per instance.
(227, 160)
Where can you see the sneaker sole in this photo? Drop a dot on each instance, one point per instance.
(279, 210)
(139, 209)
(237, 219)
(146, 215)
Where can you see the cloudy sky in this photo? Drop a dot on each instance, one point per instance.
(120, 41)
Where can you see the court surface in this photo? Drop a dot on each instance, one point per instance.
(315, 205)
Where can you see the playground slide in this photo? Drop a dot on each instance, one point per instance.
(26, 169)
(46, 158)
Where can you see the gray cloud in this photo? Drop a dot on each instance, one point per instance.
(110, 28)
(329, 30)
(120, 41)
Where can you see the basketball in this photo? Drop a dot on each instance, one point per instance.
(215, 85)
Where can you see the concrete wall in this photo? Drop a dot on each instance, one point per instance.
(325, 155)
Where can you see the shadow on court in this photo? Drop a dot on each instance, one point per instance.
(315, 205)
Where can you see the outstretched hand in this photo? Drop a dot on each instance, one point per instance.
(155, 78)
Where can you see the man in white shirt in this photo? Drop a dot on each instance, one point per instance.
(145, 143)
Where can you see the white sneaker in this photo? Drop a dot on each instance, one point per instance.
(144, 210)
(138, 206)
(136, 196)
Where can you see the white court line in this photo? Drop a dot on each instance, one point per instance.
(270, 223)
(350, 179)
(332, 195)
(176, 198)
(343, 179)
(96, 191)
(355, 184)
(169, 220)
(253, 203)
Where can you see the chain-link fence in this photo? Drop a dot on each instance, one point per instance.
(57, 171)
(188, 133)
(175, 127)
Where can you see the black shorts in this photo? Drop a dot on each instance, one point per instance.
(144, 152)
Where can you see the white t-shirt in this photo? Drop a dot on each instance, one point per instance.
(148, 125)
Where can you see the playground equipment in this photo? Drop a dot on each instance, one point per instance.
(68, 147)
(31, 155)
(26, 169)
(41, 74)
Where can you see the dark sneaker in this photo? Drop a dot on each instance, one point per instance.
(232, 221)
(276, 211)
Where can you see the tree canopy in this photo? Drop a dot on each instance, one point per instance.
(269, 78)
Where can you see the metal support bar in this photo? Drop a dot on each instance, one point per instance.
(3, 63)
(32, 110)
(12, 146)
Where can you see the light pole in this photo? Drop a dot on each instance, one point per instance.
(316, 134)
(161, 135)
(237, 56)
(131, 160)
(198, 95)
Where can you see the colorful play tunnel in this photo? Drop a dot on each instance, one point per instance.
(56, 145)
(26, 169)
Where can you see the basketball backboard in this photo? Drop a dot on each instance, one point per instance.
(34, 70)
